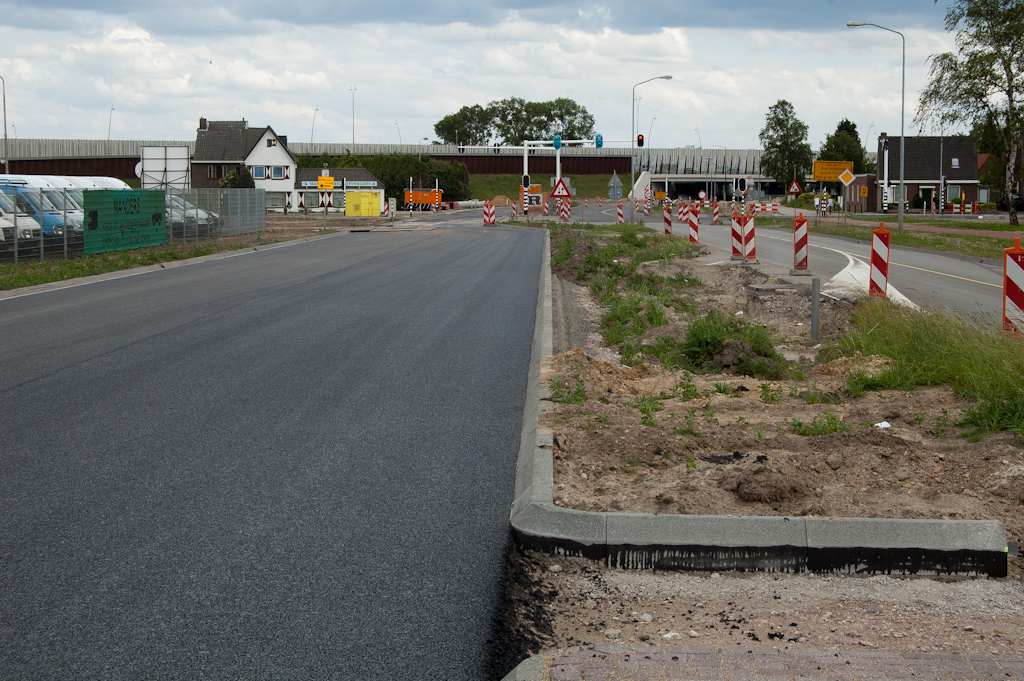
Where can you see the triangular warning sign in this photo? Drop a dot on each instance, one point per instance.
(560, 191)
(795, 188)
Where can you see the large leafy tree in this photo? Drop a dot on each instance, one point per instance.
(983, 78)
(513, 120)
(844, 145)
(469, 125)
(784, 139)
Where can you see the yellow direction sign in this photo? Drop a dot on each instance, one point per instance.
(325, 182)
(829, 171)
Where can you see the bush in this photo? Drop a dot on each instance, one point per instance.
(918, 201)
(987, 206)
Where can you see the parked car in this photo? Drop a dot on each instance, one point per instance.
(14, 211)
(1003, 204)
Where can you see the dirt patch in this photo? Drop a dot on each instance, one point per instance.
(726, 444)
(650, 440)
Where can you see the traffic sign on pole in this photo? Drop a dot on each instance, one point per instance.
(794, 188)
(561, 191)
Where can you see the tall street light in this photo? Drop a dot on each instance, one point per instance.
(353, 91)
(7, 161)
(399, 133)
(109, 121)
(700, 145)
(632, 145)
(313, 125)
(903, 90)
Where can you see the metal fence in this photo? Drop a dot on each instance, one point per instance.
(204, 213)
(39, 224)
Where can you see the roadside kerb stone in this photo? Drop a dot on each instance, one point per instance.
(892, 546)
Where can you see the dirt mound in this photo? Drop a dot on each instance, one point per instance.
(501, 200)
(606, 378)
(872, 365)
(764, 485)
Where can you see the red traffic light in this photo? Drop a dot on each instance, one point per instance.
(639, 140)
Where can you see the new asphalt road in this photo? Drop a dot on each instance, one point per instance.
(293, 463)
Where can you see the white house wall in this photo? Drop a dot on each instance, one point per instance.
(269, 157)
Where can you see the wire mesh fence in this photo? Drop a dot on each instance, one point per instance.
(47, 223)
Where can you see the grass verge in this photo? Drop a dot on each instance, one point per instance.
(33, 273)
(931, 348)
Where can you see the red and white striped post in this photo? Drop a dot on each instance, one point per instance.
(714, 213)
(515, 212)
(749, 240)
(647, 206)
(737, 237)
(878, 285)
(489, 213)
(682, 212)
(618, 214)
(545, 205)
(800, 248)
(1013, 288)
(666, 212)
(599, 204)
(693, 218)
(566, 210)
(636, 205)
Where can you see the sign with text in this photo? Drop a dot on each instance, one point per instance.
(325, 182)
(829, 171)
(118, 219)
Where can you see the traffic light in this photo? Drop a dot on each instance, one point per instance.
(639, 140)
(558, 141)
(526, 181)
(598, 141)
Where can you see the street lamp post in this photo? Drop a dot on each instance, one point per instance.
(724, 178)
(399, 133)
(7, 161)
(109, 121)
(313, 125)
(632, 145)
(700, 144)
(903, 90)
(353, 91)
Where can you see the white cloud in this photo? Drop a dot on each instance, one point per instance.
(161, 81)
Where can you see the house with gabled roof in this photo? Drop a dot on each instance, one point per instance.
(223, 146)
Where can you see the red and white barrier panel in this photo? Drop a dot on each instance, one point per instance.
(489, 218)
(599, 204)
(586, 203)
(647, 207)
(800, 243)
(878, 285)
(666, 211)
(566, 210)
(749, 242)
(714, 213)
(693, 218)
(636, 205)
(737, 236)
(618, 214)
(682, 212)
(545, 205)
(775, 208)
(1013, 288)
(515, 210)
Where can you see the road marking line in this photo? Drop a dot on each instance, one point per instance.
(891, 263)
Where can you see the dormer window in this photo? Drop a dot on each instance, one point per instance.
(956, 163)
(271, 143)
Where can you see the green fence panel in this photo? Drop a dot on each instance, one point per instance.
(118, 219)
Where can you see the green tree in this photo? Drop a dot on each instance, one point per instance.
(984, 77)
(472, 125)
(784, 139)
(570, 120)
(239, 178)
(989, 137)
(844, 145)
(346, 161)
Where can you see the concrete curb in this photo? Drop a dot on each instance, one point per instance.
(640, 541)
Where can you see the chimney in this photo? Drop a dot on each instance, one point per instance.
(202, 124)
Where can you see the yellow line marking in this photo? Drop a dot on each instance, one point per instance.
(911, 267)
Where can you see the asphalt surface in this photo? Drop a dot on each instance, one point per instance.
(295, 463)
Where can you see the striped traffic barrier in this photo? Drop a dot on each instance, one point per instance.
(599, 204)
(489, 213)
(515, 212)
(1013, 288)
(714, 213)
(636, 205)
(879, 282)
(775, 208)
(545, 206)
(737, 237)
(666, 211)
(749, 241)
(682, 212)
(566, 210)
(693, 218)
(800, 244)
(618, 214)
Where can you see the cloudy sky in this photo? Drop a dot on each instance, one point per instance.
(163, 65)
